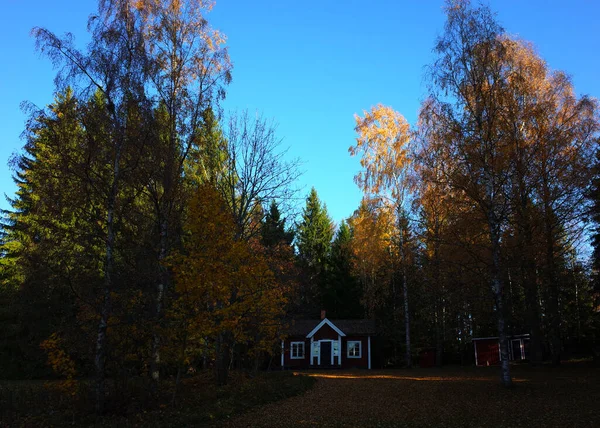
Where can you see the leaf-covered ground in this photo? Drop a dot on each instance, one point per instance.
(199, 403)
(567, 396)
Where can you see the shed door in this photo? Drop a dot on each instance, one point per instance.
(488, 352)
(516, 349)
(325, 353)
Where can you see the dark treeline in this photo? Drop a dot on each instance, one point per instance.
(151, 236)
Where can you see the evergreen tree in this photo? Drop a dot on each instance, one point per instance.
(314, 235)
(207, 159)
(273, 229)
(342, 293)
(52, 241)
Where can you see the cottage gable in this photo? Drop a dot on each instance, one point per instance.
(326, 328)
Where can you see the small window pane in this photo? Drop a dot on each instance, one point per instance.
(354, 349)
(297, 350)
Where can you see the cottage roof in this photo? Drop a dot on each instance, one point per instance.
(514, 336)
(349, 327)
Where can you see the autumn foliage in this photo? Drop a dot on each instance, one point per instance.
(226, 292)
(153, 238)
(62, 364)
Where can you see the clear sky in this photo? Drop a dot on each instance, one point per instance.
(309, 66)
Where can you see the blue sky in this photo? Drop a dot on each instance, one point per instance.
(308, 66)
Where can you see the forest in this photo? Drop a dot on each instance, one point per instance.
(152, 236)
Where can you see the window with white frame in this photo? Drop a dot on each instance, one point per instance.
(297, 350)
(354, 348)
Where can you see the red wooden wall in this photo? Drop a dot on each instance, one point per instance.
(487, 352)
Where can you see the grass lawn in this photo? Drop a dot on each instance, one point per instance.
(199, 402)
(568, 396)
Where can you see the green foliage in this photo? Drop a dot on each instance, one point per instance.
(273, 229)
(207, 160)
(51, 236)
(342, 293)
(314, 233)
(313, 240)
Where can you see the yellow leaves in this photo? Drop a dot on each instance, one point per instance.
(139, 5)
(224, 284)
(373, 228)
(382, 143)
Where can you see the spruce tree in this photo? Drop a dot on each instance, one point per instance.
(342, 291)
(273, 229)
(314, 235)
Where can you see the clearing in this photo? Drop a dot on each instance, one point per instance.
(549, 397)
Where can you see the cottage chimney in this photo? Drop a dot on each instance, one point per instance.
(322, 314)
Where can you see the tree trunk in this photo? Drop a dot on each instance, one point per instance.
(403, 244)
(406, 318)
(100, 357)
(439, 302)
(257, 360)
(172, 170)
(439, 343)
(550, 268)
(497, 291)
(553, 305)
(180, 366)
(221, 364)
(160, 290)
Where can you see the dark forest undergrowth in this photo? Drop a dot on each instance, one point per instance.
(134, 404)
(564, 396)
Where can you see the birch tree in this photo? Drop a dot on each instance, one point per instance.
(463, 116)
(383, 145)
(163, 59)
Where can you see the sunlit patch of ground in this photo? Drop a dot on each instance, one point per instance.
(471, 397)
(401, 377)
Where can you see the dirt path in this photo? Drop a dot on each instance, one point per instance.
(433, 397)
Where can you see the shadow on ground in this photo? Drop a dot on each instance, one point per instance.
(546, 397)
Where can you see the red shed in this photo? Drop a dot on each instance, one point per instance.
(487, 349)
(328, 344)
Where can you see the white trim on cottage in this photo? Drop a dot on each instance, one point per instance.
(352, 347)
(301, 357)
(321, 324)
(369, 350)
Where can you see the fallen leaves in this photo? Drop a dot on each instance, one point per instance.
(465, 396)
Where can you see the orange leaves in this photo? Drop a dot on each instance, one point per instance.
(382, 143)
(61, 363)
